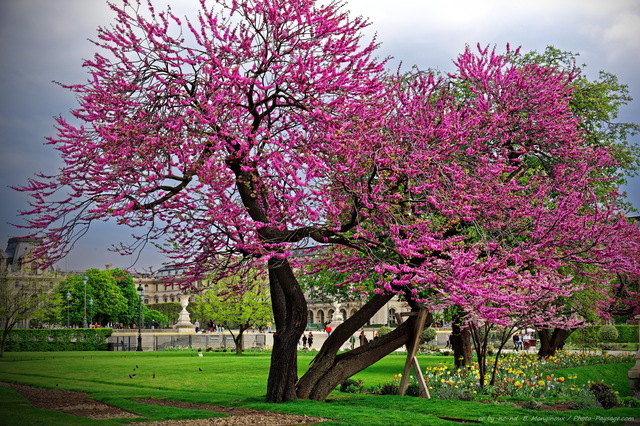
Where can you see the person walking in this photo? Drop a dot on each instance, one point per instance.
(517, 342)
(310, 339)
(363, 338)
(304, 340)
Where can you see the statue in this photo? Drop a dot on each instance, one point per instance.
(184, 320)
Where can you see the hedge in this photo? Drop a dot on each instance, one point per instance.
(63, 339)
(626, 333)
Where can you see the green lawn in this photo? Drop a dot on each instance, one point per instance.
(230, 380)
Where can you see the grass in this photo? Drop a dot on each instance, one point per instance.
(240, 381)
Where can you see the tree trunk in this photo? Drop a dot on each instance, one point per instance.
(328, 369)
(290, 315)
(240, 341)
(549, 341)
(461, 344)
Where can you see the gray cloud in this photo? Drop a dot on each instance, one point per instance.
(44, 40)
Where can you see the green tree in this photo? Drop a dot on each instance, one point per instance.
(240, 309)
(124, 281)
(20, 300)
(108, 302)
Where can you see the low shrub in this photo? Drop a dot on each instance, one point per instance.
(62, 339)
(351, 386)
(611, 346)
(532, 405)
(605, 396)
(384, 330)
(584, 400)
(608, 333)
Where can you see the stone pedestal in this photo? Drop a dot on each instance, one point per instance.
(634, 374)
(184, 320)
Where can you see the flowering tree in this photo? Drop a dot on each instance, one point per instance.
(208, 132)
(479, 194)
(263, 124)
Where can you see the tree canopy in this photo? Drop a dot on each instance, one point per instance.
(260, 125)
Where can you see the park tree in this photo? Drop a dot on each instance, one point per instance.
(124, 281)
(260, 125)
(22, 298)
(109, 304)
(238, 309)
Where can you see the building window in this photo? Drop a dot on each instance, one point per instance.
(310, 319)
(392, 316)
(321, 316)
(344, 314)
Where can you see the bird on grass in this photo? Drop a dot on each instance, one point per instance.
(154, 376)
(199, 368)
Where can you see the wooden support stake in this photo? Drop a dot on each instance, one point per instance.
(412, 350)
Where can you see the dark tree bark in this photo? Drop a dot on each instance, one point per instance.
(329, 369)
(462, 355)
(290, 315)
(550, 340)
(238, 339)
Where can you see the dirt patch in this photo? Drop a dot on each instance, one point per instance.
(79, 404)
(70, 402)
(239, 416)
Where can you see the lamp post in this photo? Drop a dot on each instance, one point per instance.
(84, 318)
(68, 299)
(141, 293)
(91, 310)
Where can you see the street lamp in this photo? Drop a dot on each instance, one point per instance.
(84, 319)
(91, 310)
(68, 299)
(141, 293)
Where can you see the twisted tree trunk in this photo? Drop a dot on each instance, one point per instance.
(329, 369)
(290, 315)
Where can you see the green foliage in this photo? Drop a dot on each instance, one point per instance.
(124, 281)
(384, 330)
(109, 303)
(428, 334)
(170, 309)
(584, 400)
(532, 405)
(605, 396)
(607, 333)
(388, 388)
(69, 339)
(151, 314)
(626, 334)
(351, 386)
(585, 337)
(243, 308)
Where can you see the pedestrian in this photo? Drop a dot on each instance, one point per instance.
(197, 324)
(517, 342)
(328, 330)
(310, 339)
(363, 338)
(352, 340)
(304, 340)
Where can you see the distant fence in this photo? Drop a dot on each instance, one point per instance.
(162, 341)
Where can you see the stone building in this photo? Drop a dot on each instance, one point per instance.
(21, 274)
(157, 286)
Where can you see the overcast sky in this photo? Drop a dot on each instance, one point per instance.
(45, 40)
